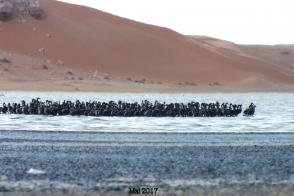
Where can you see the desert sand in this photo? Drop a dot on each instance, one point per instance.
(76, 48)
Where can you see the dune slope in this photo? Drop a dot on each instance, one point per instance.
(87, 41)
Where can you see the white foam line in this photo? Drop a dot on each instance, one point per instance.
(217, 182)
(112, 144)
(154, 132)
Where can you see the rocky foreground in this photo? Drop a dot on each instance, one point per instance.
(62, 168)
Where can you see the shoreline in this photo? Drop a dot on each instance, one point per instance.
(150, 133)
(109, 139)
(121, 86)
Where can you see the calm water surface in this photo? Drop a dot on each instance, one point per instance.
(275, 113)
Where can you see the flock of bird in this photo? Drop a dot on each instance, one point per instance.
(124, 109)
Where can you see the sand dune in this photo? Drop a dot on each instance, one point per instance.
(78, 44)
(279, 58)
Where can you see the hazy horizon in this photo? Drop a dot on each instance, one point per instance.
(243, 22)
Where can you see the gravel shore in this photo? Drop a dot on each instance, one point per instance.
(63, 168)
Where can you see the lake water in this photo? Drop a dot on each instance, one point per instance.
(275, 113)
(102, 154)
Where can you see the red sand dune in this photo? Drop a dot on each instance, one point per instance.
(90, 41)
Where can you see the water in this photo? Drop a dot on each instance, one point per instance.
(275, 113)
(216, 155)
